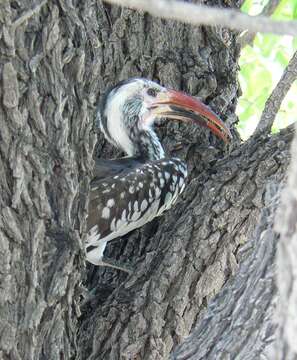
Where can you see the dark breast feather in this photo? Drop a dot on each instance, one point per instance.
(106, 168)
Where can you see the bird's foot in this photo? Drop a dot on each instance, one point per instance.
(116, 265)
(92, 294)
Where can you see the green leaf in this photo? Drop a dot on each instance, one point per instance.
(295, 11)
(261, 68)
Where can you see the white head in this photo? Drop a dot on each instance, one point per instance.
(128, 111)
(125, 113)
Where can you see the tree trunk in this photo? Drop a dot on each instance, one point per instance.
(55, 62)
(286, 225)
(240, 317)
(46, 155)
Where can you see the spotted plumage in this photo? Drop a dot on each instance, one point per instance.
(149, 194)
(130, 192)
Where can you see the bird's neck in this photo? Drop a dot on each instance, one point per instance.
(148, 146)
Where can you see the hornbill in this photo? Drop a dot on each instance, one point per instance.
(129, 192)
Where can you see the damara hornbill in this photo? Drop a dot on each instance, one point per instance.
(131, 191)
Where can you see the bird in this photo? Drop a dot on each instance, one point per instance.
(128, 192)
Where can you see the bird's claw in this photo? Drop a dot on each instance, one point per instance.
(117, 265)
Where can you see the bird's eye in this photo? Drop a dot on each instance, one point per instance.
(152, 92)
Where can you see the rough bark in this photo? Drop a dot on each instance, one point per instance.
(55, 63)
(240, 318)
(45, 158)
(286, 225)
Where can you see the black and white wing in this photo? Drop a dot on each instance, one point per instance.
(130, 199)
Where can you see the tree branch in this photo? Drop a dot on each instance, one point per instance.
(277, 96)
(201, 14)
(248, 37)
(270, 7)
(239, 317)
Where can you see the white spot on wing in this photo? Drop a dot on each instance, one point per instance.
(105, 213)
(157, 192)
(168, 198)
(136, 216)
(120, 224)
(167, 175)
(112, 225)
(175, 195)
(144, 205)
(182, 188)
(124, 216)
(136, 222)
(110, 203)
(93, 235)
